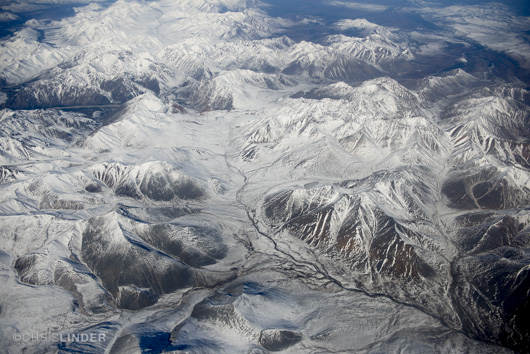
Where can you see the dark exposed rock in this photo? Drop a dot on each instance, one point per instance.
(488, 236)
(150, 83)
(484, 189)
(457, 194)
(120, 89)
(492, 296)
(203, 96)
(345, 69)
(165, 237)
(7, 174)
(41, 94)
(24, 265)
(134, 275)
(131, 298)
(388, 254)
(177, 108)
(93, 187)
(277, 340)
(160, 182)
(128, 189)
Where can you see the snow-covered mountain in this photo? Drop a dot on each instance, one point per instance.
(193, 176)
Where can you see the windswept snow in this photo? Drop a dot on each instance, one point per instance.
(185, 176)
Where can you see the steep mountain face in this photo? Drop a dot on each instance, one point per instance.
(195, 177)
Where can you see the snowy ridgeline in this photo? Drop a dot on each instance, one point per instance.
(211, 185)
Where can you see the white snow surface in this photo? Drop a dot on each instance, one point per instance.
(245, 115)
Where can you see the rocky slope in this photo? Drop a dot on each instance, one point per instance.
(202, 182)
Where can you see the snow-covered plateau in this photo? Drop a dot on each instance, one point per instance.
(221, 176)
